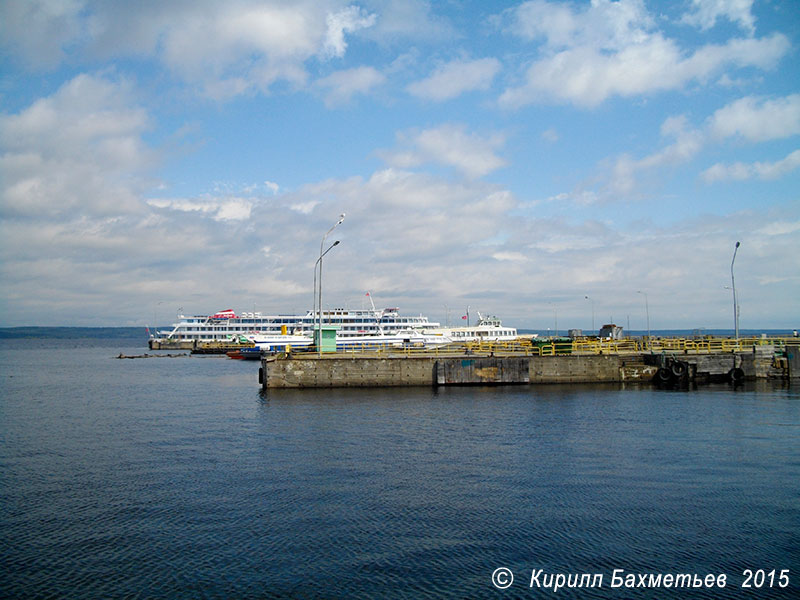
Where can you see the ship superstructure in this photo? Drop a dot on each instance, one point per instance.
(227, 324)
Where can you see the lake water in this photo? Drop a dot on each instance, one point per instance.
(178, 478)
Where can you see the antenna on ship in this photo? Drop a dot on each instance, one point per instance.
(370, 301)
(375, 314)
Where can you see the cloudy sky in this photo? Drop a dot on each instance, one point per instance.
(509, 157)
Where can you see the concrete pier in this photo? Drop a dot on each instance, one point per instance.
(435, 369)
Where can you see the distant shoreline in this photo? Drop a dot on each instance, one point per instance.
(38, 332)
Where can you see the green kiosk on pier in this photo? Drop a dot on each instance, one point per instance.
(328, 341)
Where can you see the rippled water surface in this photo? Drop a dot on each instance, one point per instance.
(176, 478)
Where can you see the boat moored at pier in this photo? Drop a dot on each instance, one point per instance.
(488, 329)
(296, 330)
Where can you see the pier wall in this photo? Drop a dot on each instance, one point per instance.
(793, 361)
(329, 371)
(602, 368)
(374, 371)
(367, 370)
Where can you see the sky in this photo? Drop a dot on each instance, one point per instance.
(551, 163)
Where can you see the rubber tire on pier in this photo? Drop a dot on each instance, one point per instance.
(736, 376)
(663, 376)
(679, 369)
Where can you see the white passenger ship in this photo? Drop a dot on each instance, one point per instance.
(351, 324)
(488, 329)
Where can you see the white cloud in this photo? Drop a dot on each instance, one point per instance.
(753, 119)
(611, 49)
(304, 208)
(347, 20)
(220, 49)
(272, 186)
(779, 228)
(603, 24)
(79, 149)
(687, 143)
(414, 240)
(757, 170)
(450, 145)
(232, 48)
(550, 135)
(410, 19)
(341, 86)
(454, 78)
(706, 12)
(234, 209)
(758, 119)
(223, 49)
(510, 256)
(81, 244)
(38, 31)
(220, 209)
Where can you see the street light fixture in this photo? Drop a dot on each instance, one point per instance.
(733, 287)
(321, 254)
(647, 310)
(592, 301)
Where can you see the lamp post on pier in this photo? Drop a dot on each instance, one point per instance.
(155, 316)
(733, 287)
(319, 303)
(592, 301)
(316, 264)
(647, 310)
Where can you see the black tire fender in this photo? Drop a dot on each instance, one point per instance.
(663, 375)
(736, 375)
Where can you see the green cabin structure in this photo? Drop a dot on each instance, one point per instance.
(327, 343)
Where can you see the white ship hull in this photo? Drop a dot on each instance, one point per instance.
(281, 343)
(351, 324)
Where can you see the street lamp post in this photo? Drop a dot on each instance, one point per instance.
(316, 264)
(555, 319)
(155, 316)
(647, 310)
(592, 301)
(319, 304)
(733, 287)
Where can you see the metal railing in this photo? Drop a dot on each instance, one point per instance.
(545, 347)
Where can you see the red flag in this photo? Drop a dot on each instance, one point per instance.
(464, 317)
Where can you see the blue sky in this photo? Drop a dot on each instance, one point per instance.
(509, 157)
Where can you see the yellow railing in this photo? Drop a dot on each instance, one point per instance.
(710, 345)
(540, 347)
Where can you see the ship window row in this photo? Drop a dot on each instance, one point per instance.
(502, 333)
(277, 326)
(326, 318)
